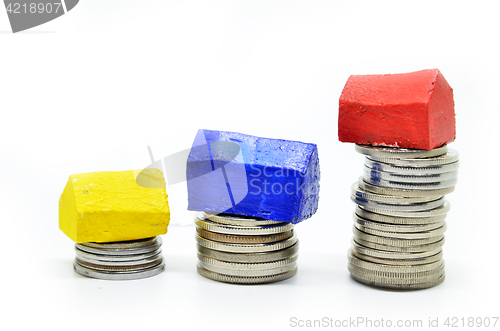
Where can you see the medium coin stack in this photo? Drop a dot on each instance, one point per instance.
(399, 222)
(124, 260)
(241, 250)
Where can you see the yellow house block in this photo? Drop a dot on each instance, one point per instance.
(114, 206)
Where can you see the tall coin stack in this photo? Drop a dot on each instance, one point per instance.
(242, 250)
(399, 222)
(124, 260)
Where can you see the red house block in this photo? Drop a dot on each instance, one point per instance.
(412, 110)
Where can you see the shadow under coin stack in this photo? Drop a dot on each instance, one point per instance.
(244, 250)
(125, 260)
(399, 222)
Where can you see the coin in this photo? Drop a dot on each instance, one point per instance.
(437, 185)
(119, 275)
(366, 251)
(115, 258)
(383, 283)
(400, 235)
(114, 249)
(237, 220)
(400, 249)
(385, 227)
(411, 170)
(124, 245)
(397, 277)
(408, 270)
(391, 241)
(247, 266)
(424, 178)
(403, 192)
(380, 206)
(129, 261)
(450, 157)
(240, 230)
(250, 257)
(137, 267)
(248, 273)
(255, 239)
(402, 262)
(425, 213)
(390, 199)
(403, 220)
(245, 280)
(400, 153)
(246, 248)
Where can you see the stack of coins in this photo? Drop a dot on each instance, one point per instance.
(240, 250)
(399, 222)
(124, 260)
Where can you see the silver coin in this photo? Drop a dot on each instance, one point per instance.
(247, 266)
(120, 268)
(390, 199)
(438, 185)
(412, 228)
(245, 280)
(249, 248)
(417, 207)
(400, 153)
(367, 251)
(401, 235)
(240, 239)
(247, 273)
(115, 258)
(394, 241)
(135, 260)
(397, 277)
(403, 192)
(401, 262)
(115, 275)
(103, 250)
(124, 245)
(426, 213)
(399, 220)
(240, 230)
(393, 177)
(450, 157)
(387, 285)
(250, 257)
(411, 170)
(237, 220)
(417, 270)
(400, 249)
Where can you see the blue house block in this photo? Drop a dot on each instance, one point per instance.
(234, 173)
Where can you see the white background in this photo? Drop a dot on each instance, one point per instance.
(91, 90)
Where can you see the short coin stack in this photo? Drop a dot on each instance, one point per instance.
(242, 250)
(124, 260)
(399, 222)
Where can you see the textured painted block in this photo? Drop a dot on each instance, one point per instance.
(412, 110)
(239, 174)
(111, 206)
